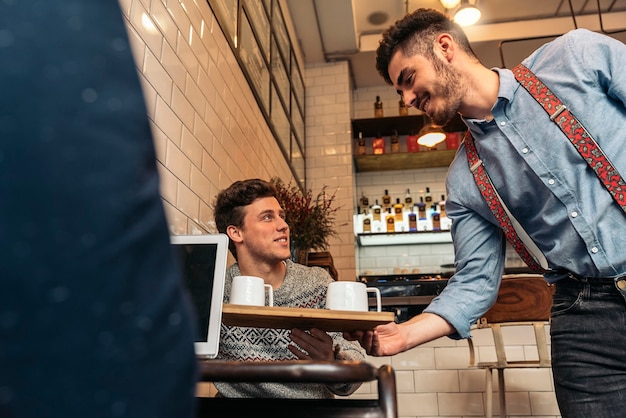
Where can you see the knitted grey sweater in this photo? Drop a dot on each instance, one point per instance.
(303, 287)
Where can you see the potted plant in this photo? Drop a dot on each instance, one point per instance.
(310, 218)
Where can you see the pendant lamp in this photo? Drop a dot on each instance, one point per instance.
(430, 134)
(450, 4)
(467, 14)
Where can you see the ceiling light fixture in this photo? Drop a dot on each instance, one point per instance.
(430, 135)
(467, 14)
(378, 18)
(450, 4)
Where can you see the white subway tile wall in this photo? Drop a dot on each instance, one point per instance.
(329, 152)
(209, 132)
(207, 126)
(435, 380)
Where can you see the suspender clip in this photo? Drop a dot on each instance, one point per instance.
(476, 165)
(559, 109)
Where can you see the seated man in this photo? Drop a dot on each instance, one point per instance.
(249, 213)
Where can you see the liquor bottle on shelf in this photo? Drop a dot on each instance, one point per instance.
(394, 142)
(401, 216)
(367, 224)
(391, 222)
(364, 202)
(402, 109)
(386, 200)
(398, 210)
(421, 209)
(442, 206)
(428, 198)
(378, 144)
(436, 221)
(446, 223)
(360, 145)
(422, 216)
(378, 108)
(452, 140)
(433, 213)
(377, 218)
(412, 221)
(411, 143)
(408, 200)
(376, 211)
(358, 221)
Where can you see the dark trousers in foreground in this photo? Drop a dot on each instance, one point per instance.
(589, 347)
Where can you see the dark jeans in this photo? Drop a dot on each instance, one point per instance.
(589, 348)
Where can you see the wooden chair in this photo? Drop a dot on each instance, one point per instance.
(523, 300)
(385, 406)
(325, 260)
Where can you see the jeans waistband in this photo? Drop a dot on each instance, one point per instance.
(620, 280)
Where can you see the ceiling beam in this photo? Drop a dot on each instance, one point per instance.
(524, 29)
(543, 27)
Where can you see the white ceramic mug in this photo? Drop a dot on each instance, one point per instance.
(250, 290)
(350, 296)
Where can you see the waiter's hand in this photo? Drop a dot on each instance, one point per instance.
(384, 340)
(314, 344)
(392, 338)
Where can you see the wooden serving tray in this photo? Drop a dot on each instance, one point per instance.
(287, 318)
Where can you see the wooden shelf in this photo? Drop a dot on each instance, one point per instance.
(404, 238)
(403, 160)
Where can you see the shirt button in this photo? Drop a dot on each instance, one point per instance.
(525, 150)
(502, 123)
(551, 181)
(594, 249)
(574, 214)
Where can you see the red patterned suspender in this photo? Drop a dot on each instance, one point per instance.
(576, 133)
(493, 200)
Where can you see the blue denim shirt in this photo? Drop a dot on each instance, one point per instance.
(540, 176)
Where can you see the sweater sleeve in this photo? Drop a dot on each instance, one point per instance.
(346, 350)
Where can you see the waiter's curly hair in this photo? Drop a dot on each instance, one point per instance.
(414, 34)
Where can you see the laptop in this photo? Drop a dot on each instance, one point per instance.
(203, 261)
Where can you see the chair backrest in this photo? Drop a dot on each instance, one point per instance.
(523, 300)
(300, 371)
(325, 260)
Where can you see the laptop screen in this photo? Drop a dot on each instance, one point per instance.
(203, 261)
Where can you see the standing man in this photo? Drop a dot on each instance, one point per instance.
(249, 213)
(576, 229)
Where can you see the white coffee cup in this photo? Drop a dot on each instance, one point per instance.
(250, 290)
(350, 296)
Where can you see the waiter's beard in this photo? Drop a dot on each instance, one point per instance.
(450, 88)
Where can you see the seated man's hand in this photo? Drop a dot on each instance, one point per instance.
(313, 344)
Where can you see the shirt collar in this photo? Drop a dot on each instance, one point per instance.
(508, 84)
(506, 91)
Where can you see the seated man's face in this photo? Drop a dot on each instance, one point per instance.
(265, 234)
